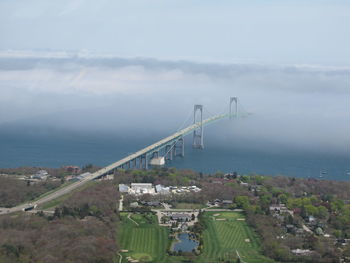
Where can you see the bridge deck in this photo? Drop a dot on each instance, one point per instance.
(156, 145)
(111, 167)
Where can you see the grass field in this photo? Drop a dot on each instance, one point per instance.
(227, 234)
(147, 241)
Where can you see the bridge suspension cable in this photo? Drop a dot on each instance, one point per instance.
(186, 120)
(180, 128)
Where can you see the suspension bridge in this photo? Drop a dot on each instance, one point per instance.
(171, 146)
(157, 153)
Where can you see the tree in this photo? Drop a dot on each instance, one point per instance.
(242, 201)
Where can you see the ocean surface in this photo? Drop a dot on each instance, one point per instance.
(55, 149)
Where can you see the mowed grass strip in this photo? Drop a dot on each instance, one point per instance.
(225, 236)
(145, 239)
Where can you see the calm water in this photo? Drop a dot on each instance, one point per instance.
(185, 244)
(57, 149)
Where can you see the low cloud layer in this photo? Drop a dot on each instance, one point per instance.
(292, 106)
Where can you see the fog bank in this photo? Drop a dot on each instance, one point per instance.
(293, 106)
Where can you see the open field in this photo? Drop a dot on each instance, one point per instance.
(226, 233)
(147, 241)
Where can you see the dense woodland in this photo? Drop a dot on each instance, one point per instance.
(82, 229)
(14, 191)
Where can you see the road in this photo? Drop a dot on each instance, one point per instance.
(47, 198)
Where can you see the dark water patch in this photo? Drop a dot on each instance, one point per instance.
(185, 243)
(55, 149)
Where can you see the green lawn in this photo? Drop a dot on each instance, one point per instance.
(225, 235)
(148, 241)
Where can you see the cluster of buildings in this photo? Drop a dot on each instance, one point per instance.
(148, 188)
(40, 175)
(312, 224)
(177, 220)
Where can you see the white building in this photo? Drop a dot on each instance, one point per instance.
(142, 188)
(160, 189)
(41, 175)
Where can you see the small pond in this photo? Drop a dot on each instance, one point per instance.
(185, 243)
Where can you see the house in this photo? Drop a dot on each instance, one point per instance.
(278, 208)
(231, 175)
(311, 219)
(181, 217)
(255, 187)
(40, 175)
(227, 202)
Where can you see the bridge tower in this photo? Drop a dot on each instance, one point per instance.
(235, 100)
(198, 132)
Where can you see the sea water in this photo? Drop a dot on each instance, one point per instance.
(55, 149)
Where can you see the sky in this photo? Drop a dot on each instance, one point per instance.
(257, 31)
(115, 66)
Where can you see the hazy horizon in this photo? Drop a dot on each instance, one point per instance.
(297, 106)
(268, 32)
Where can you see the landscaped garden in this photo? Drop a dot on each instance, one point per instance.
(228, 237)
(144, 239)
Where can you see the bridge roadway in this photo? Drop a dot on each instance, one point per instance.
(113, 166)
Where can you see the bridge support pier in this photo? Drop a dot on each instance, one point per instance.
(146, 161)
(179, 147)
(143, 164)
(168, 152)
(139, 165)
